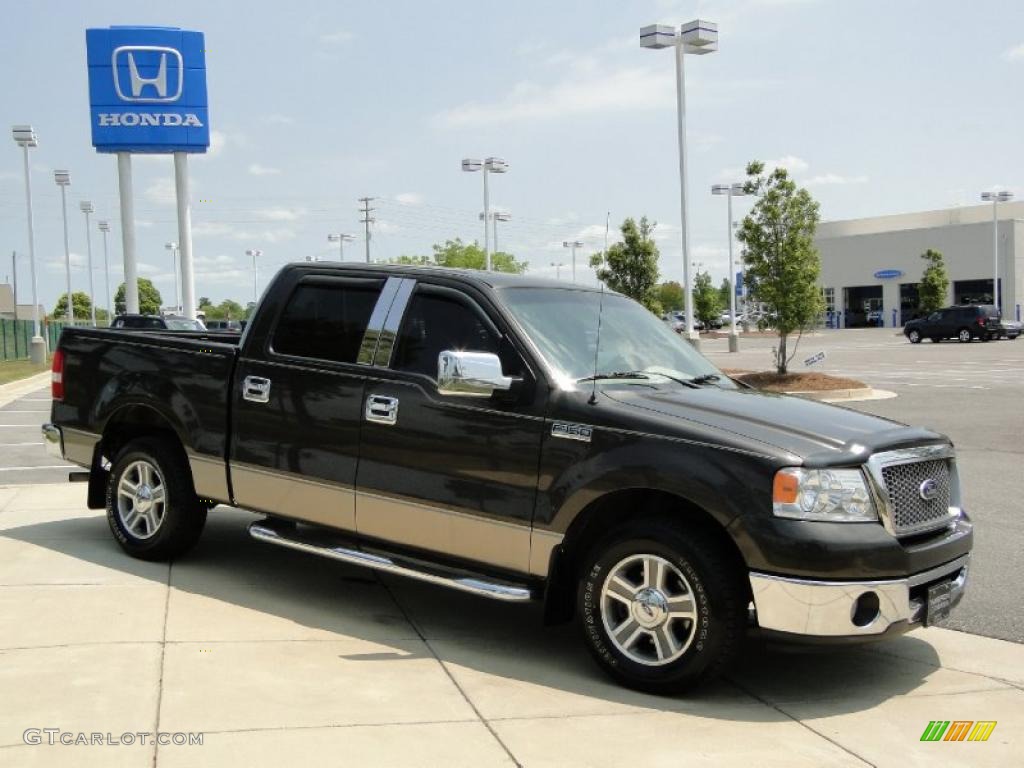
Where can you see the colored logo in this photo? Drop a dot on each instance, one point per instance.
(888, 274)
(928, 490)
(958, 730)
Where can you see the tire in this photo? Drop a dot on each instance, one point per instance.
(692, 649)
(964, 335)
(163, 519)
(914, 335)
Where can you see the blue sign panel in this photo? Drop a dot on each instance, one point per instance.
(147, 89)
(739, 284)
(888, 274)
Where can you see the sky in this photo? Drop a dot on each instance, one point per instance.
(876, 107)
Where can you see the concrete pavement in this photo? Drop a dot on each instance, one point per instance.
(279, 658)
(24, 405)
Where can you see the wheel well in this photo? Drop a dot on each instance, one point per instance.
(602, 516)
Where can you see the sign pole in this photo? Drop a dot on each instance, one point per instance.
(188, 283)
(124, 183)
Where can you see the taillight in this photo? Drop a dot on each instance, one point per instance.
(981, 320)
(57, 376)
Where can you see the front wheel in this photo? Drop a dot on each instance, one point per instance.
(662, 608)
(152, 508)
(915, 336)
(964, 335)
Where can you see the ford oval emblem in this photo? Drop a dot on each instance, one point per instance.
(929, 489)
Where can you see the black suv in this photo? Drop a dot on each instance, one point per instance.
(962, 322)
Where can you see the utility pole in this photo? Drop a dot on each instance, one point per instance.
(366, 210)
(14, 279)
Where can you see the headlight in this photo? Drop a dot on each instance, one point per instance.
(835, 495)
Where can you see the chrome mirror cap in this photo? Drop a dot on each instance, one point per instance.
(470, 374)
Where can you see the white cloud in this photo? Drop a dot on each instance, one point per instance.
(161, 191)
(790, 163)
(336, 38)
(278, 119)
(256, 169)
(409, 198)
(827, 179)
(281, 214)
(1014, 54)
(218, 139)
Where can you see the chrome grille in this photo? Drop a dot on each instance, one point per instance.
(910, 512)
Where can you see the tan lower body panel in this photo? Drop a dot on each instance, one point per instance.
(497, 543)
(542, 543)
(294, 497)
(79, 446)
(209, 476)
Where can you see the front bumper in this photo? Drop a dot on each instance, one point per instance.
(850, 609)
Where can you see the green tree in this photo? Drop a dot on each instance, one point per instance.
(934, 282)
(706, 299)
(723, 293)
(781, 262)
(631, 267)
(671, 296)
(80, 306)
(459, 255)
(226, 310)
(204, 301)
(149, 298)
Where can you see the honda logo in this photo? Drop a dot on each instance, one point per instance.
(147, 89)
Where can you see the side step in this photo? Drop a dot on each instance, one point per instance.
(327, 545)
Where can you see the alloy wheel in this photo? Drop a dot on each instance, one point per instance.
(141, 499)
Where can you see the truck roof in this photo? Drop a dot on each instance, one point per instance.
(491, 279)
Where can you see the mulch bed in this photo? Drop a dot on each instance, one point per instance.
(770, 381)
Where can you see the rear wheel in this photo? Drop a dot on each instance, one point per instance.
(914, 335)
(964, 335)
(152, 507)
(662, 608)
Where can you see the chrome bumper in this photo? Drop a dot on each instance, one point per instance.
(54, 440)
(851, 608)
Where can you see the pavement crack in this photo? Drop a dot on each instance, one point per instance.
(163, 653)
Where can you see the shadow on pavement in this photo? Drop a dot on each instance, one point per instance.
(231, 586)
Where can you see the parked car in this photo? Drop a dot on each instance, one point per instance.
(963, 322)
(874, 317)
(1010, 329)
(481, 431)
(156, 323)
(231, 326)
(677, 321)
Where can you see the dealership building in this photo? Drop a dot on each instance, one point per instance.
(873, 266)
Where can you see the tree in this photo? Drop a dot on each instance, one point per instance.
(631, 267)
(671, 296)
(723, 293)
(706, 300)
(934, 282)
(149, 298)
(459, 255)
(226, 310)
(782, 264)
(204, 301)
(80, 306)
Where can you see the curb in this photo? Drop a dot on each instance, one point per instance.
(846, 395)
(12, 390)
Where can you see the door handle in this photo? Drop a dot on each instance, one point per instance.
(256, 389)
(381, 409)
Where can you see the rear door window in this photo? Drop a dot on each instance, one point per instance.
(326, 320)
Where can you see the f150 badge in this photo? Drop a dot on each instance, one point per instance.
(571, 431)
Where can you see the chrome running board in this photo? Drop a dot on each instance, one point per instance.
(326, 545)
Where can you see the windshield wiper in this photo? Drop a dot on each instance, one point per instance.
(706, 378)
(615, 375)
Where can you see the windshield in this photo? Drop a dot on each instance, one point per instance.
(563, 325)
(182, 324)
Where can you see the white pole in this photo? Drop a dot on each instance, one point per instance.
(734, 339)
(255, 278)
(341, 248)
(995, 253)
(32, 262)
(574, 261)
(92, 292)
(681, 120)
(67, 251)
(131, 278)
(188, 278)
(487, 219)
(174, 270)
(106, 268)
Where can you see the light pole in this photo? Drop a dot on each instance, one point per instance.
(254, 252)
(173, 248)
(574, 244)
(86, 207)
(341, 238)
(995, 198)
(25, 137)
(104, 226)
(495, 218)
(558, 269)
(490, 165)
(731, 190)
(696, 37)
(63, 180)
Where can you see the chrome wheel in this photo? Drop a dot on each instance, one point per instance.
(648, 609)
(141, 499)
(914, 337)
(964, 335)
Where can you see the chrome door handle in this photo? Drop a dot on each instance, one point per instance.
(381, 409)
(256, 389)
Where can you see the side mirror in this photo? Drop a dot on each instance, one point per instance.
(470, 374)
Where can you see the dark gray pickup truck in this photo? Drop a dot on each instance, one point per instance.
(521, 439)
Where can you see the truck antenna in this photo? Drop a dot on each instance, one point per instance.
(597, 348)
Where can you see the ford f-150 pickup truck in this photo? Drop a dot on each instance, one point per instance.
(521, 439)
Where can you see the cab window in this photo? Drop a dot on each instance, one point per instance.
(435, 323)
(325, 320)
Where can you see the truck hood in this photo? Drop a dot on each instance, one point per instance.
(818, 433)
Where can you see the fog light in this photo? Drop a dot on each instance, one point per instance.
(865, 609)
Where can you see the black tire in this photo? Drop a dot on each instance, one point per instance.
(964, 335)
(914, 335)
(182, 516)
(706, 644)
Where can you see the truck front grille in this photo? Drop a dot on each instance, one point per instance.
(911, 512)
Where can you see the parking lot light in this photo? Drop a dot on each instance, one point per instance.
(104, 227)
(495, 218)
(25, 137)
(255, 253)
(341, 238)
(63, 180)
(995, 198)
(735, 189)
(573, 244)
(488, 166)
(558, 269)
(696, 37)
(173, 248)
(86, 208)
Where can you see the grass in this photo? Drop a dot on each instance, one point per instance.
(12, 370)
